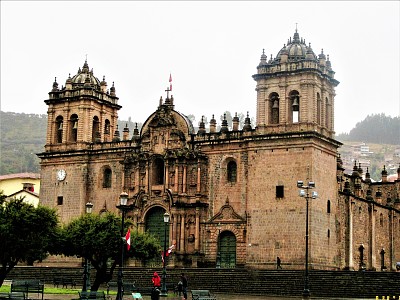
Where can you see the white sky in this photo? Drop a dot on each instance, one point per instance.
(211, 48)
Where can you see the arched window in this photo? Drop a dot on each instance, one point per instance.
(158, 171)
(231, 171)
(328, 207)
(274, 108)
(294, 108)
(107, 130)
(59, 129)
(381, 219)
(319, 108)
(95, 129)
(107, 177)
(107, 126)
(327, 113)
(73, 128)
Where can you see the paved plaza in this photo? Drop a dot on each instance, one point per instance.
(219, 297)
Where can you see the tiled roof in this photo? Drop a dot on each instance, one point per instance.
(20, 175)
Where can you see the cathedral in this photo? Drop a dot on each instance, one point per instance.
(237, 197)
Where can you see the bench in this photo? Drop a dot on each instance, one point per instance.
(68, 281)
(57, 281)
(202, 295)
(27, 286)
(98, 295)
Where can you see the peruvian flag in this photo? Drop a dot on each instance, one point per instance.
(128, 239)
(170, 82)
(170, 249)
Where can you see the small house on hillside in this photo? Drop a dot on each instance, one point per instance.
(19, 185)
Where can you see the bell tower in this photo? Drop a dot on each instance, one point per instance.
(82, 124)
(295, 90)
(82, 112)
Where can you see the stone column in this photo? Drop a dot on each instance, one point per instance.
(198, 190)
(176, 188)
(182, 234)
(184, 179)
(197, 232)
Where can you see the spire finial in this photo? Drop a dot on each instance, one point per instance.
(296, 27)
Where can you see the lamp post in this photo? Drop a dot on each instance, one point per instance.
(164, 273)
(123, 207)
(305, 192)
(86, 274)
(218, 266)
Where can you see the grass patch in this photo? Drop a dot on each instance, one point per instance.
(51, 290)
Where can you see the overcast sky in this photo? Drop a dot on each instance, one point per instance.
(211, 49)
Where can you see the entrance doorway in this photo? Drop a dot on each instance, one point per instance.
(227, 249)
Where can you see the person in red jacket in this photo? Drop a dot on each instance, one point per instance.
(156, 280)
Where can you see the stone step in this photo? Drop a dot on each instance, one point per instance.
(258, 282)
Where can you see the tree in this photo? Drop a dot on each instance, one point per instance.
(98, 239)
(26, 233)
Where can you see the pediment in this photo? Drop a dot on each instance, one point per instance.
(227, 214)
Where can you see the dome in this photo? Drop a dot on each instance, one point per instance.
(296, 49)
(85, 76)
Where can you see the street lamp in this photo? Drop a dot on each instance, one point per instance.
(218, 266)
(86, 273)
(305, 192)
(123, 207)
(164, 273)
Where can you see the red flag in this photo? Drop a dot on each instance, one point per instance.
(170, 249)
(170, 82)
(128, 239)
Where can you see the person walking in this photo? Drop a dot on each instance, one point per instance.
(156, 280)
(180, 287)
(278, 263)
(184, 285)
(155, 293)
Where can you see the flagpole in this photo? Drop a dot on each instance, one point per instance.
(164, 273)
(124, 208)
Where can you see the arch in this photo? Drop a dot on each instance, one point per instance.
(107, 130)
(294, 106)
(327, 113)
(73, 125)
(158, 171)
(231, 169)
(59, 129)
(95, 128)
(154, 222)
(227, 249)
(328, 206)
(107, 177)
(319, 109)
(273, 108)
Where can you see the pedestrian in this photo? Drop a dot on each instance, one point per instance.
(155, 293)
(156, 280)
(278, 263)
(180, 287)
(184, 286)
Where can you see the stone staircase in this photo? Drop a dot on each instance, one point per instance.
(349, 284)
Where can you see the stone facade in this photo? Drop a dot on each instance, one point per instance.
(232, 194)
